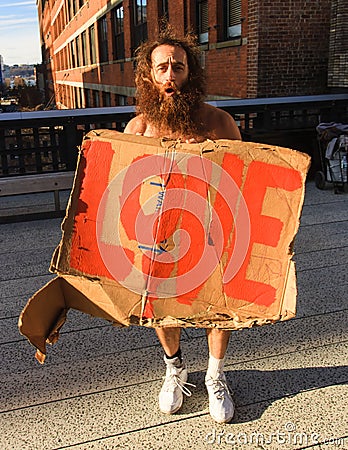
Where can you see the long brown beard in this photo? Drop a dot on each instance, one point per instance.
(174, 115)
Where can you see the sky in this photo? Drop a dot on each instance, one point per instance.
(19, 32)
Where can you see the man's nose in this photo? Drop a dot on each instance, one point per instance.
(170, 73)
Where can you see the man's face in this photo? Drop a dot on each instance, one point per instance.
(169, 69)
(167, 100)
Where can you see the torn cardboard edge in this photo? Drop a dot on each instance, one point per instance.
(64, 293)
(97, 294)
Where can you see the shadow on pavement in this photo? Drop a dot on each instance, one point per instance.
(256, 390)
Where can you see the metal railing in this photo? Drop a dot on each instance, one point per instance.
(48, 141)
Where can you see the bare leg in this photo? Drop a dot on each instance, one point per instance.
(221, 406)
(218, 342)
(171, 395)
(169, 338)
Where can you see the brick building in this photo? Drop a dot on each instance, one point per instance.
(338, 50)
(250, 48)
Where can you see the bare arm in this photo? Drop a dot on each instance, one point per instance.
(229, 128)
(135, 126)
(222, 124)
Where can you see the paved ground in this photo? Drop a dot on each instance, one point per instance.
(99, 386)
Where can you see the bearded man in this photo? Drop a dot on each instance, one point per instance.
(170, 103)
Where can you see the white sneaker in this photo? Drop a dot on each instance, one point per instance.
(174, 387)
(221, 406)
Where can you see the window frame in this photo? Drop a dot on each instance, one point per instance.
(232, 31)
(73, 54)
(103, 44)
(92, 47)
(78, 50)
(84, 48)
(163, 9)
(139, 23)
(202, 21)
(117, 18)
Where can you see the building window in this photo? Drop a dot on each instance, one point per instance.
(60, 21)
(78, 52)
(88, 98)
(118, 32)
(163, 9)
(71, 101)
(202, 21)
(103, 39)
(68, 54)
(139, 31)
(78, 97)
(68, 10)
(106, 99)
(73, 8)
(120, 100)
(67, 57)
(84, 48)
(43, 6)
(81, 97)
(96, 102)
(92, 52)
(64, 17)
(233, 26)
(73, 54)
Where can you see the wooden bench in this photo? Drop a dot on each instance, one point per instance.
(39, 183)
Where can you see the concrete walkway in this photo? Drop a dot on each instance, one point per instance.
(98, 388)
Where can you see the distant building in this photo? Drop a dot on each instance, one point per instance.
(18, 81)
(40, 79)
(250, 48)
(6, 72)
(2, 74)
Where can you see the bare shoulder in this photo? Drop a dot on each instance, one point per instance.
(220, 123)
(137, 125)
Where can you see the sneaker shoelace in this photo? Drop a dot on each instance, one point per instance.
(220, 388)
(173, 380)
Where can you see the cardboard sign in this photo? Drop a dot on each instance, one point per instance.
(160, 233)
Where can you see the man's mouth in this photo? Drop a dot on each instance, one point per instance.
(169, 91)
